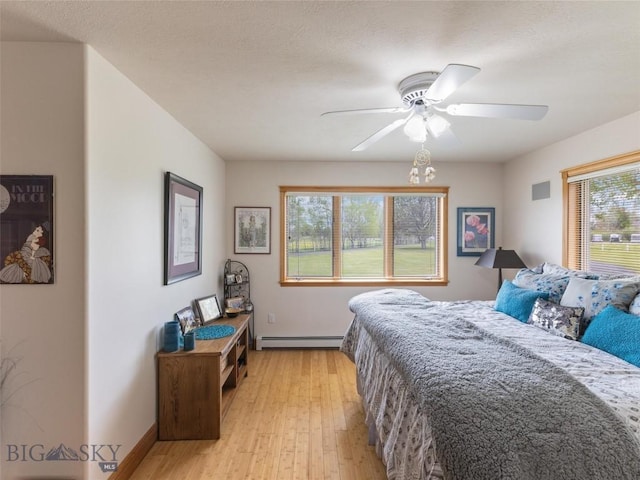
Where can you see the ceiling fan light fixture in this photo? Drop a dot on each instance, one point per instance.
(416, 129)
(437, 125)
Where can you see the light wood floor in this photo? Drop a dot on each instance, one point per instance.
(296, 416)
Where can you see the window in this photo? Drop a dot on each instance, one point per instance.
(363, 236)
(602, 216)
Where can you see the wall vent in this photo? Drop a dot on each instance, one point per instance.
(540, 191)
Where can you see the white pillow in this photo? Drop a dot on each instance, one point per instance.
(595, 295)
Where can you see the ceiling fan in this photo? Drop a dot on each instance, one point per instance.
(422, 94)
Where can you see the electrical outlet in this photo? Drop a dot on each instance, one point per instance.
(271, 318)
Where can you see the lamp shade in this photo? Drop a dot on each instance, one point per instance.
(492, 258)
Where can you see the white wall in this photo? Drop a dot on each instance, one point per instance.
(323, 310)
(87, 343)
(44, 325)
(131, 142)
(534, 228)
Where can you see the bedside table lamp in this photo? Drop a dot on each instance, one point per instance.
(492, 258)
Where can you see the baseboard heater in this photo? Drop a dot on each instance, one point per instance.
(298, 342)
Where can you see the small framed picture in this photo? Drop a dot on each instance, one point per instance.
(230, 278)
(252, 232)
(187, 319)
(234, 302)
(208, 308)
(476, 233)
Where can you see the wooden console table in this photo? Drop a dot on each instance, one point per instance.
(195, 388)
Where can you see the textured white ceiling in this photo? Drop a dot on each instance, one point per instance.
(251, 79)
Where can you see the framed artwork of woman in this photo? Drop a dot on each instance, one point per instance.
(26, 229)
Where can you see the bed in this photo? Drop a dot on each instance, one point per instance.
(472, 390)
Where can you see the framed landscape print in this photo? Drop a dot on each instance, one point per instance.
(182, 229)
(26, 229)
(476, 227)
(252, 231)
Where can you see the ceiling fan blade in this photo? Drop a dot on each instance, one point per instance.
(449, 80)
(448, 139)
(380, 133)
(497, 110)
(367, 110)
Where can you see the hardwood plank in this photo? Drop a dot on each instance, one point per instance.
(337, 404)
(331, 364)
(332, 466)
(329, 443)
(296, 416)
(345, 456)
(261, 464)
(301, 457)
(316, 461)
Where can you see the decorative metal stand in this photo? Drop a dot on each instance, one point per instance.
(237, 285)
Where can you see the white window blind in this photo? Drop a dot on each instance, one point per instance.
(603, 219)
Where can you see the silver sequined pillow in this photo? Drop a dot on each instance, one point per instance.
(557, 319)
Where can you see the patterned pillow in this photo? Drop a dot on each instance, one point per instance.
(552, 283)
(559, 320)
(517, 302)
(537, 268)
(620, 276)
(616, 332)
(595, 295)
(552, 268)
(635, 305)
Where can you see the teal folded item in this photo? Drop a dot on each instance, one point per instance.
(517, 302)
(616, 332)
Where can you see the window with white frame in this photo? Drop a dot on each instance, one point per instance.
(602, 216)
(363, 235)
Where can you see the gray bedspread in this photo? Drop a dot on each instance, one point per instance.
(496, 409)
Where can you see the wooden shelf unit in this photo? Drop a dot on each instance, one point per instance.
(196, 388)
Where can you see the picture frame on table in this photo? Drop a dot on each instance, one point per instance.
(182, 229)
(235, 302)
(187, 319)
(208, 308)
(476, 230)
(252, 230)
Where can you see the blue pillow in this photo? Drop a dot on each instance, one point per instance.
(517, 302)
(616, 332)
